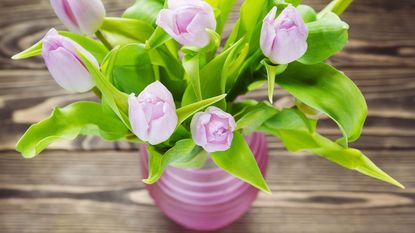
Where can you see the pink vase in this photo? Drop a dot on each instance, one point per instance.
(205, 199)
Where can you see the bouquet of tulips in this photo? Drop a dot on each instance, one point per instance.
(166, 76)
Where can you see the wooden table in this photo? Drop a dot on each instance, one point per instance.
(92, 186)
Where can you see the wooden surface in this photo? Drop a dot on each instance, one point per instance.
(92, 186)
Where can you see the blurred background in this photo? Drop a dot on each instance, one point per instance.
(87, 185)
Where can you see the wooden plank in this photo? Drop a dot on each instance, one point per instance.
(29, 96)
(101, 191)
(92, 186)
(380, 46)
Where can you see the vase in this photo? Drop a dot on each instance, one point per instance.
(209, 198)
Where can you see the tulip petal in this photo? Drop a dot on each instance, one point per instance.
(74, 76)
(163, 128)
(159, 90)
(187, 20)
(89, 14)
(284, 40)
(64, 12)
(136, 115)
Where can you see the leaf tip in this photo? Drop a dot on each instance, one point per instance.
(267, 190)
(149, 181)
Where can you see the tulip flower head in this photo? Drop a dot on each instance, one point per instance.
(187, 20)
(284, 40)
(153, 114)
(80, 16)
(213, 129)
(62, 60)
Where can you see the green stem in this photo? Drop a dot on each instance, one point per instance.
(97, 92)
(336, 6)
(104, 40)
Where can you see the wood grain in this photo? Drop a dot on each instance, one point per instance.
(88, 185)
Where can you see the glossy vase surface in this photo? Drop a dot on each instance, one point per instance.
(207, 198)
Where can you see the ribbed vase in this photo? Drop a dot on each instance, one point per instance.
(208, 198)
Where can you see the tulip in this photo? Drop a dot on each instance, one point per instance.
(80, 16)
(62, 60)
(153, 114)
(187, 20)
(284, 40)
(213, 129)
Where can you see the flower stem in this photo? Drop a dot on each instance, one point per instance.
(97, 92)
(336, 6)
(104, 40)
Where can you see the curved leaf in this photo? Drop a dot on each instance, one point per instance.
(97, 49)
(308, 13)
(324, 88)
(298, 134)
(182, 152)
(87, 118)
(187, 111)
(146, 10)
(121, 31)
(117, 100)
(326, 36)
(224, 8)
(254, 116)
(129, 68)
(240, 162)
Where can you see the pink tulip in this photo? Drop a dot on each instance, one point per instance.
(187, 20)
(213, 129)
(80, 16)
(62, 60)
(153, 114)
(284, 40)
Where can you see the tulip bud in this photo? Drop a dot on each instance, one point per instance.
(187, 20)
(80, 16)
(64, 64)
(153, 114)
(284, 40)
(213, 129)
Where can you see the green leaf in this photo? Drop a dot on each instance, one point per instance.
(94, 47)
(233, 64)
(240, 162)
(212, 78)
(293, 2)
(129, 68)
(272, 72)
(252, 12)
(169, 70)
(187, 111)
(197, 162)
(326, 36)
(117, 100)
(224, 8)
(191, 66)
(308, 13)
(249, 25)
(121, 31)
(336, 6)
(184, 151)
(293, 128)
(256, 85)
(146, 10)
(254, 116)
(158, 38)
(322, 87)
(34, 50)
(298, 134)
(87, 118)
